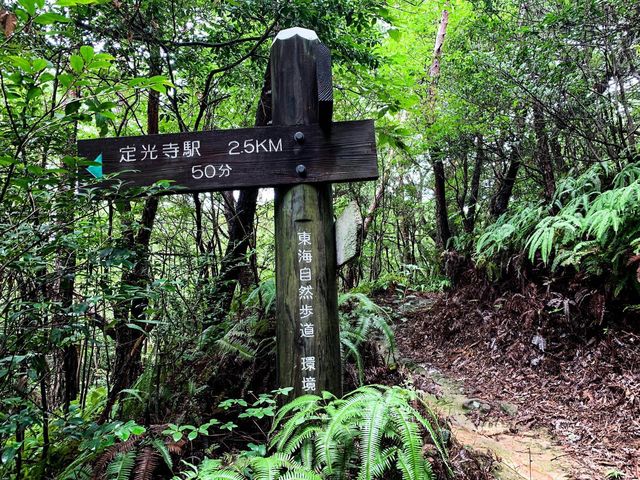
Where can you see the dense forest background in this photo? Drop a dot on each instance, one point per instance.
(507, 142)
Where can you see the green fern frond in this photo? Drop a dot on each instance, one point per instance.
(296, 441)
(221, 475)
(163, 451)
(121, 466)
(301, 475)
(410, 456)
(266, 468)
(354, 352)
(302, 403)
(242, 349)
(374, 419)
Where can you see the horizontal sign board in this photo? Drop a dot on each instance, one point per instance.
(240, 158)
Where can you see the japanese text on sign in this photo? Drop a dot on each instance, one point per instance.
(305, 297)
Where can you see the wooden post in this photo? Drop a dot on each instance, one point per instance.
(308, 338)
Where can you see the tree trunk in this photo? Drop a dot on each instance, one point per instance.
(240, 218)
(543, 154)
(442, 215)
(500, 200)
(128, 352)
(470, 216)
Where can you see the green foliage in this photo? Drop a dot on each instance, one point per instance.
(360, 318)
(595, 229)
(275, 467)
(371, 431)
(121, 467)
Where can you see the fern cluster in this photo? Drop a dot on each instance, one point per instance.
(596, 227)
(372, 432)
(368, 433)
(274, 467)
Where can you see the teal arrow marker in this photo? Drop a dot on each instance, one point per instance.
(96, 170)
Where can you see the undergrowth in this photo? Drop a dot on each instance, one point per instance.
(593, 227)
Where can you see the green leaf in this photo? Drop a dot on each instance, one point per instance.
(176, 436)
(98, 64)
(20, 62)
(38, 65)
(77, 63)
(50, 17)
(74, 3)
(29, 6)
(192, 435)
(8, 454)
(72, 107)
(86, 51)
(395, 34)
(33, 92)
(65, 79)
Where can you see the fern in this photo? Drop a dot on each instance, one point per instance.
(121, 466)
(371, 431)
(163, 451)
(373, 423)
(361, 319)
(114, 451)
(276, 467)
(594, 230)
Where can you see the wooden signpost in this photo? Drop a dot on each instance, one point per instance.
(232, 159)
(300, 155)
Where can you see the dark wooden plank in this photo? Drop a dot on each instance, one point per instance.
(232, 159)
(307, 320)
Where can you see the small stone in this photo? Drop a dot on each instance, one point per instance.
(539, 342)
(509, 409)
(572, 437)
(472, 404)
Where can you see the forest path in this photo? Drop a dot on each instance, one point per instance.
(482, 421)
(519, 454)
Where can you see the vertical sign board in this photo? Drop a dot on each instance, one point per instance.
(299, 155)
(308, 338)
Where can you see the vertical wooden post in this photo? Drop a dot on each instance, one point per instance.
(308, 338)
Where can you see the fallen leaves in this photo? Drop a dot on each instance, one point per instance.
(8, 22)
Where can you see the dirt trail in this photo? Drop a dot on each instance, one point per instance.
(566, 414)
(527, 454)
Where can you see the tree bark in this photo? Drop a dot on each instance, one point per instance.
(469, 221)
(129, 341)
(442, 216)
(500, 200)
(543, 154)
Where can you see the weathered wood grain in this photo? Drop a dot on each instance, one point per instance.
(303, 208)
(344, 153)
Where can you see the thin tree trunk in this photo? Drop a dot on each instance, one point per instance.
(500, 200)
(470, 216)
(543, 154)
(129, 341)
(240, 218)
(442, 216)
